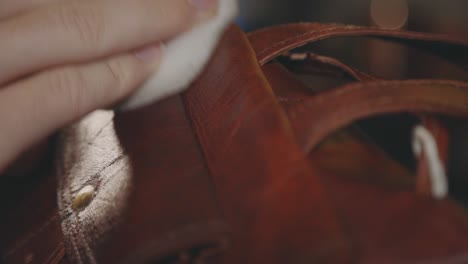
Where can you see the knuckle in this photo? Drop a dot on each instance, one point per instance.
(83, 22)
(123, 74)
(69, 84)
(117, 72)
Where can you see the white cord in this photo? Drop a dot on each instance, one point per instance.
(423, 141)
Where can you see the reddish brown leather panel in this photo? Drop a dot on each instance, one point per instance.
(291, 93)
(334, 109)
(310, 63)
(31, 232)
(270, 42)
(232, 170)
(268, 191)
(173, 207)
(384, 216)
(343, 160)
(394, 225)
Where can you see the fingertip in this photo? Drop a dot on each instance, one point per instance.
(205, 9)
(203, 5)
(150, 55)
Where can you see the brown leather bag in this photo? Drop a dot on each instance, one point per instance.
(251, 165)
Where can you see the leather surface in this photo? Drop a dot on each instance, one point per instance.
(31, 233)
(334, 109)
(260, 196)
(270, 42)
(173, 208)
(252, 166)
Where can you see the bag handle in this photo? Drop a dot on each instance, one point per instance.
(333, 109)
(292, 93)
(270, 42)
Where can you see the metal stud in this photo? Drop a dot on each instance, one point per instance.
(83, 198)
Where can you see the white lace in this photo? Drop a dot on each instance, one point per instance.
(423, 141)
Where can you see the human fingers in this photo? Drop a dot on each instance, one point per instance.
(12, 7)
(33, 108)
(81, 30)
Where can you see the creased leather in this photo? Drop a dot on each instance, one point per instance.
(173, 208)
(261, 191)
(251, 166)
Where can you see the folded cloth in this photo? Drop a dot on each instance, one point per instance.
(184, 58)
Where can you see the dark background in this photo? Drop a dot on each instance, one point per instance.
(448, 16)
(385, 59)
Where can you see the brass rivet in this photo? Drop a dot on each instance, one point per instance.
(83, 198)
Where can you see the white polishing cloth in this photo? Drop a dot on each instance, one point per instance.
(184, 58)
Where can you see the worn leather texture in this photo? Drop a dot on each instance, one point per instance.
(253, 165)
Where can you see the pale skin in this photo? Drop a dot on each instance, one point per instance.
(62, 59)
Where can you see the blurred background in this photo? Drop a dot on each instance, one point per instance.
(389, 60)
(448, 16)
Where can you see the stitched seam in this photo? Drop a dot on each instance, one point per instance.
(79, 234)
(344, 68)
(53, 254)
(70, 235)
(73, 224)
(70, 232)
(365, 31)
(267, 29)
(31, 235)
(298, 37)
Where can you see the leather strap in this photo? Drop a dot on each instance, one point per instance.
(270, 42)
(334, 109)
(228, 116)
(277, 75)
(312, 63)
(296, 34)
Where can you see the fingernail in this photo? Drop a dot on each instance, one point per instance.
(203, 5)
(151, 54)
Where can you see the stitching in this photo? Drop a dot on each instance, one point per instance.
(341, 29)
(64, 192)
(53, 254)
(333, 62)
(78, 235)
(295, 38)
(311, 24)
(70, 232)
(31, 235)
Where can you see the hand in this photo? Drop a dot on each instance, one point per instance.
(60, 60)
